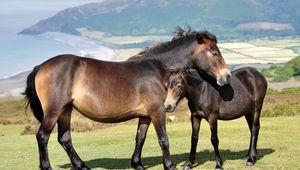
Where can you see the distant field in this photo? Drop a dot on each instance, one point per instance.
(252, 52)
(238, 52)
(260, 51)
(111, 148)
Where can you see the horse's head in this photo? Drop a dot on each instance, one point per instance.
(176, 87)
(207, 57)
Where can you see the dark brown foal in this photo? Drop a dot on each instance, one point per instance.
(244, 95)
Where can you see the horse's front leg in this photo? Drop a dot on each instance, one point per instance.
(213, 123)
(159, 121)
(196, 122)
(142, 129)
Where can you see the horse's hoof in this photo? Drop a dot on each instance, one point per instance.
(186, 167)
(173, 168)
(170, 167)
(250, 162)
(46, 166)
(219, 167)
(139, 167)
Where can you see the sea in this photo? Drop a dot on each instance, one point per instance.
(19, 53)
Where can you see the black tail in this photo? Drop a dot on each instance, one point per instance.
(31, 96)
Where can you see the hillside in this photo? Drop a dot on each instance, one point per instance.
(228, 18)
(289, 72)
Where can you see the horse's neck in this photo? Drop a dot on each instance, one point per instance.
(176, 57)
(151, 63)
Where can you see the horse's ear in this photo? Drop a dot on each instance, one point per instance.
(200, 38)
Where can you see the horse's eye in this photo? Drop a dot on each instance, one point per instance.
(215, 53)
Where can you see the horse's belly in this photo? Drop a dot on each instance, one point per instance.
(233, 110)
(108, 110)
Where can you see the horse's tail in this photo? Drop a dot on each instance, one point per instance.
(31, 95)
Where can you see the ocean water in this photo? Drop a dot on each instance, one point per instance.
(20, 53)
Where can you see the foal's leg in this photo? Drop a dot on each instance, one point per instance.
(64, 138)
(213, 123)
(43, 134)
(196, 122)
(159, 121)
(139, 142)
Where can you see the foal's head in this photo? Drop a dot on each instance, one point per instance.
(208, 58)
(176, 87)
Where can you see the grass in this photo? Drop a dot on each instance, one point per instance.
(278, 146)
(106, 146)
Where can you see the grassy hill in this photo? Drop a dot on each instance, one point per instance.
(228, 19)
(290, 71)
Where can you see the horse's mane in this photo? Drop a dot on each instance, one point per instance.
(182, 37)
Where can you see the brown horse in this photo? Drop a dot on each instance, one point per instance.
(112, 92)
(244, 95)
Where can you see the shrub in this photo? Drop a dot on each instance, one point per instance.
(291, 109)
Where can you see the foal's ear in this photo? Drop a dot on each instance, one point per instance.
(200, 38)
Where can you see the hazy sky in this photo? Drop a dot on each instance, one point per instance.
(18, 14)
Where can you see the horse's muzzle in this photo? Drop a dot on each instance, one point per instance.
(169, 108)
(224, 77)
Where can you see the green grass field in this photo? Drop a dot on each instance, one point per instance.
(111, 147)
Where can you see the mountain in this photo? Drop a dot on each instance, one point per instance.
(226, 18)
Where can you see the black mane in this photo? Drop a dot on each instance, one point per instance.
(167, 46)
(183, 36)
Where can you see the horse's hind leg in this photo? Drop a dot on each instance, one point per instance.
(249, 118)
(139, 142)
(43, 134)
(64, 138)
(254, 134)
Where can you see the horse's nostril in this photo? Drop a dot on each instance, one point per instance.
(169, 108)
(228, 78)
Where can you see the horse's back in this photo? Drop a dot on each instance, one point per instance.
(253, 80)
